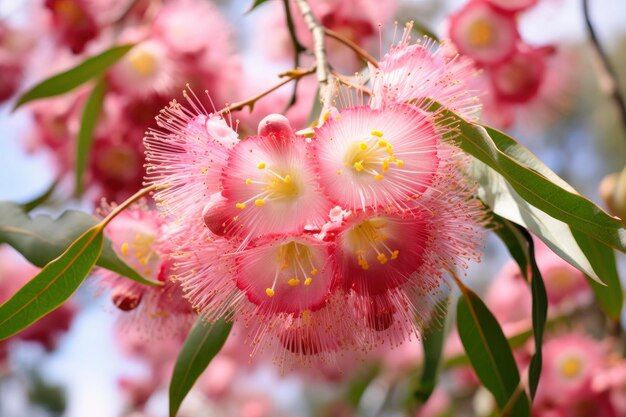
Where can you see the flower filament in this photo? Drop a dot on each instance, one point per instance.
(367, 239)
(293, 260)
(273, 186)
(141, 249)
(372, 156)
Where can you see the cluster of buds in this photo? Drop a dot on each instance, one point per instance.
(330, 240)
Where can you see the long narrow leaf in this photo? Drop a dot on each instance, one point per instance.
(56, 282)
(203, 343)
(91, 114)
(433, 342)
(609, 297)
(91, 68)
(490, 354)
(41, 238)
(533, 181)
(540, 315)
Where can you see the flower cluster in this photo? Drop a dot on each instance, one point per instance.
(517, 75)
(332, 240)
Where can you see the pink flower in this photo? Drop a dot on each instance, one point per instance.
(140, 238)
(414, 72)
(377, 158)
(483, 33)
(512, 6)
(73, 23)
(569, 363)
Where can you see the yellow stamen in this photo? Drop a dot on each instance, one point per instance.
(248, 181)
(269, 292)
(394, 254)
(143, 261)
(385, 165)
(261, 165)
(308, 281)
(309, 135)
(379, 177)
(339, 172)
(259, 202)
(287, 179)
(382, 258)
(400, 163)
(358, 166)
(240, 206)
(314, 271)
(382, 143)
(124, 248)
(293, 282)
(376, 133)
(203, 170)
(363, 146)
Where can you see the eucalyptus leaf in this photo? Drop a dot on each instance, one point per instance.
(89, 119)
(532, 181)
(53, 285)
(610, 297)
(66, 81)
(490, 354)
(432, 341)
(40, 238)
(203, 342)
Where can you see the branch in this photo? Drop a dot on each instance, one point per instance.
(292, 75)
(297, 48)
(319, 50)
(607, 76)
(362, 53)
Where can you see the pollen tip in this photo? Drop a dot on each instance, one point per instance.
(293, 282)
(124, 248)
(314, 271)
(248, 181)
(379, 177)
(240, 206)
(308, 281)
(394, 254)
(261, 165)
(259, 202)
(269, 292)
(377, 133)
(363, 146)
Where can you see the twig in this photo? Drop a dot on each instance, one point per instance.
(346, 81)
(362, 53)
(291, 75)
(319, 51)
(297, 50)
(607, 76)
(117, 210)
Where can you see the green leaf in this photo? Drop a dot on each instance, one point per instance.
(39, 200)
(534, 182)
(91, 114)
(203, 342)
(433, 342)
(513, 238)
(539, 313)
(500, 196)
(51, 287)
(520, 243)
(92, 67)
(255, 4)
(609, 297)
(490, 354)
(41, 239)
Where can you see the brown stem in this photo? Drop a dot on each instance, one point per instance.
(117, 210)
(297, 49)
(362, 53)
(291, 75)
(607, 75)
(345, 81)
(326, 87)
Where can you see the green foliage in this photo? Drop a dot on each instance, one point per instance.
(51, 287)
(203, 342)
(41, 239)
(610, 297)
(66, 81)
(490, 354)
(91, 114)
(433, 341)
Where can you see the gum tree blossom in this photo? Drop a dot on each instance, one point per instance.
(321, 244)
(139, 237)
